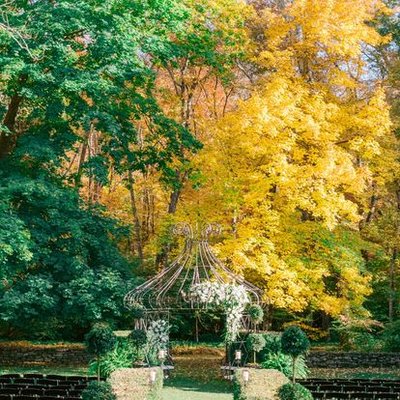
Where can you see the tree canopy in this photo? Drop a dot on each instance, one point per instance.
(118, 118)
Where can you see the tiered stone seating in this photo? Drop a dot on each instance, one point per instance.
(354, 389)
(43, 387)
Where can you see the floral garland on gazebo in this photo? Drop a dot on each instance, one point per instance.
(232, 298)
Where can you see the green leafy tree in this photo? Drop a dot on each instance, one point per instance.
(61, 83)
(294, 343)
(64, 270)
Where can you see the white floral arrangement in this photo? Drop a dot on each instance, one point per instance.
(158, 334)
(233, 298)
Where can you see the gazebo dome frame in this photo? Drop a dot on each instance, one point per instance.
(196, 264)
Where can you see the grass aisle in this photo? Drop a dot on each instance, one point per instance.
(188, 389)
(197, 376)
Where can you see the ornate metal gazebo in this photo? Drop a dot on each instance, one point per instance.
(169, 290)
(196, 264)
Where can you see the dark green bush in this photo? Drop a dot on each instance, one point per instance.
(294, 391)
(138, 311)
(294, 341)
(256, 313)
(255, 342)
(272, 346)
(391, 337)
(138, 337)
(98, 391)
(356, 334)
(100, 340)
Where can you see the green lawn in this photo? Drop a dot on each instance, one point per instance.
(197, 375)
(183, 389)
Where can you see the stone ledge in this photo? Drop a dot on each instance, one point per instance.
(336, 359)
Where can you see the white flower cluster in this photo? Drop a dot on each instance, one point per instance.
(207, 293)
(233, 298)
(158, 334)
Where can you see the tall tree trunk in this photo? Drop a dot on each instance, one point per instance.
(148, 218)
(372, 208)
(94, 151)
(173, 201)
(82, 158)
(294, 369)
(136, 221)
(392, 284)
(234, 223)
(8, 139)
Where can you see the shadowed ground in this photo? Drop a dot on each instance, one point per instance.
(197, 376)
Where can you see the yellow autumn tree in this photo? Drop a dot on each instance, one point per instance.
(288, 173)
(195, 84)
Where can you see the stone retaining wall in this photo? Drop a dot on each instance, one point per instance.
(25, 354)
(330, 359)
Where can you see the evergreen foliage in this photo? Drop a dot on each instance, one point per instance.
(391, 337)
(255, 313)
(100, 340)
(98, 391)
(255, 342)
(294, 391)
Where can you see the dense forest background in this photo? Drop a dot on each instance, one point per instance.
(277, 119)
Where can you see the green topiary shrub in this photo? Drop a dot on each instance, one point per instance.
(138, 338)
(294, 343)
(294, 391)
(98, 391)
(100, 341)
(255, 313)
(255, 342)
